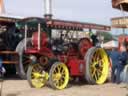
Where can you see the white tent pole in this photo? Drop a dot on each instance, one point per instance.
(2, 8)
(124, 18)
(25, 43)
(39, 32)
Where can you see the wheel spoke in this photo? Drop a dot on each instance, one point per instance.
(37, 69)
(97, 74)
(63, 71)
(99, 71)
(93, 72)
(63, 76)
(60, 82)
(54, 77)
(95, 54)
(34, 70)
(55, 71)
(59, 69)
(93, 64)
(56, 82)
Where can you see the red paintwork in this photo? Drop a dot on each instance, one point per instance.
(74, 65)
(71, 25)
(43, 38)
(84, 45)
(43, 51)
(73, 58)
(31, 51)
(46, 52)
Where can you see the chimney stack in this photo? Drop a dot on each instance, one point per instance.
(2, 9)
(48, 9)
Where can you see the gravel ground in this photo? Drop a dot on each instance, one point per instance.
(13, 87)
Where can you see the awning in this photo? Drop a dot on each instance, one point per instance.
(110, 44)
(116, 4)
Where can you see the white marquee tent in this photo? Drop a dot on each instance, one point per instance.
(110, 44)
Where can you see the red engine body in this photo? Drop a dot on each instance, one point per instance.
(77, 67)
(73, 57)
(44, 50)
(43, 39)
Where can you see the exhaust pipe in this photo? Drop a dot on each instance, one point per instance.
(2, 8)
(48, 9)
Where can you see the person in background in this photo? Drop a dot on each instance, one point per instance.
(2, 69)
(114, 55)
(122, 62)
(94, 38)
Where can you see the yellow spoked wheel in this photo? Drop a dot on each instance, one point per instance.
(59, 76)
(37, 76)
(97, 66)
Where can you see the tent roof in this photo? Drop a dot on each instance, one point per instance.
(116, 4)
(111, 44)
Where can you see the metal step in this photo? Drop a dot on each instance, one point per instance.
(10, 62)
(8, 52)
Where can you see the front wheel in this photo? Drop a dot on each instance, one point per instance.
(97, 66)
(36, 76)
(59, 76)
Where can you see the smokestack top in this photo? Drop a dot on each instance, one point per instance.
(48, 9)
(2, 9)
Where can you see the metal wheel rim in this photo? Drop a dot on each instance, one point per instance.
(99, 66)
(60, 76)
(38, 76)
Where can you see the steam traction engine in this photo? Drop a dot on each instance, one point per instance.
(54, 52)
(30, 45)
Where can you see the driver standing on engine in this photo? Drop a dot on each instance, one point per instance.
(94, 38)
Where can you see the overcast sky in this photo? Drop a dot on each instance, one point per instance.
(95, 11)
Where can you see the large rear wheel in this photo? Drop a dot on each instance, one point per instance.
(24, 59)
(97, 66)
(59, 76)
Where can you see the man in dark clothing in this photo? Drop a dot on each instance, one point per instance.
(114, 55)
(94, 38)
(122, 62)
